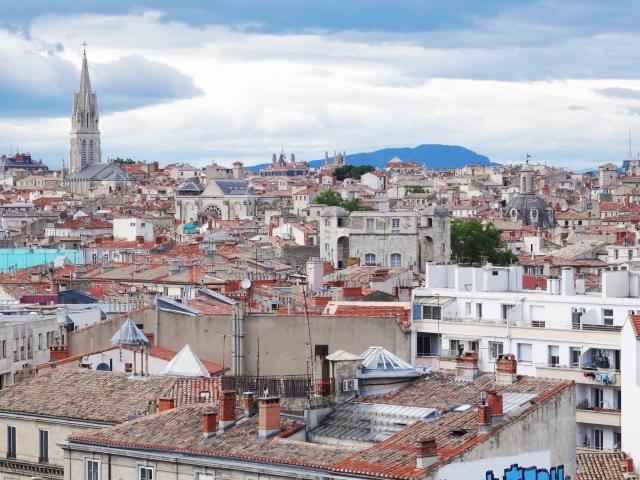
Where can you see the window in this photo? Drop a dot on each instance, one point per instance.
(598, 398)
(554, 355)
(146, 473)
(423, 344)
(371, 223)
(574, 356)
(495, 349)
(395, 224)
(370, 259)
(11, 441)
(43, 442)
(39, 342)
(505, 311)
(607, 316)
(432, 312)
(92, 469)
(205, 476)
(597, 439)
(429, 222)
(326, 222)
(395, 260)
(524, 352)
(478, 310)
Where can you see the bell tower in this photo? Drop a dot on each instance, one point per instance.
(85, 135)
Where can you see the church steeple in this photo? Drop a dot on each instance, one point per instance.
(85, 135)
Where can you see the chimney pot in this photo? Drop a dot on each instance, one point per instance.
(165, 404)
(467, 367)
(227, 408)
(484, 418)
(209, 424)
(268, 417)
(427, 452)
(248, 401)
(506, 369)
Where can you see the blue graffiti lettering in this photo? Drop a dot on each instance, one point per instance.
(531, 473)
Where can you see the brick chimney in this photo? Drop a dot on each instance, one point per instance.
(506, 369)
(209, 424)
(227, 409)
(166, 403)
(268, 417)
(484, 418)
(58, 352)
(467, 367)
(248, 403)
(494, 402)
(427, 452)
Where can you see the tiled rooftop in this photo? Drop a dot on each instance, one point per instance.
(84, 395)
(601, 466)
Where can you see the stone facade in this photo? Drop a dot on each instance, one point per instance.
(402, 239)
(221, 199)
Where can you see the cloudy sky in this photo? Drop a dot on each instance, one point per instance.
(239, 79)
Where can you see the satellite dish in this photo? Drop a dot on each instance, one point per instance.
(246, 283)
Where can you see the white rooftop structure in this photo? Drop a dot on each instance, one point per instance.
(343, 356)
(129, 334)
(186, 364)
(379, 362)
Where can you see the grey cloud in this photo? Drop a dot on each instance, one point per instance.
(619, 92)
(42, 85)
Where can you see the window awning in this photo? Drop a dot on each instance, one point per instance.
(433, 300)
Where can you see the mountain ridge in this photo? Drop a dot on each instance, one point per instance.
(434, 156)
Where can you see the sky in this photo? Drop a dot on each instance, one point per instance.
(227, 80)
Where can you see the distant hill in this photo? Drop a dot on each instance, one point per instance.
(434, 156)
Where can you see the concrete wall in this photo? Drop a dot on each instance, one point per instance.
(544, 438)
(283, 339)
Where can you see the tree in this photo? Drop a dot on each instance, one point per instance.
(417, 190)
(329, 198)
(475, 242)
(352, 171)
(333, 199)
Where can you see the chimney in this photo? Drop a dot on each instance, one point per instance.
(568, 281)
(484, 418)
(467, 367)
(494, 401)
(427, 452)
(248, 403)
(58, 352)
(506, 369)
(628, 466)
(227, 409)
(268, 417)
(165, 404)
(209, 424)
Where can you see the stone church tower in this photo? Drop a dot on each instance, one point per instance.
(85, 135)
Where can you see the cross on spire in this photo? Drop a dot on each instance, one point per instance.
(84, 47)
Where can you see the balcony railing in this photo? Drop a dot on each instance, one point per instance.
(28, 469)
(568, 325)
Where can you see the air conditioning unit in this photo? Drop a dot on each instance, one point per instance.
(350, 385)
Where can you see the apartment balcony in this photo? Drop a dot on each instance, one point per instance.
(606, 335)
(598, 416)
(599, 377)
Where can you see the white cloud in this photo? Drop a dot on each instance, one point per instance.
(350, 91)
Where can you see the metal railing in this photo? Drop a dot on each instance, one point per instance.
(286, 386)
(569, 325)
(29, 469)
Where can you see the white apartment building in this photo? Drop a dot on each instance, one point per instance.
(562, 332)
(132, 229)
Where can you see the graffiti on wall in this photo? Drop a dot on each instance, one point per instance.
(531, 473)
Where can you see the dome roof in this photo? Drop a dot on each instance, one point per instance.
(531, 210)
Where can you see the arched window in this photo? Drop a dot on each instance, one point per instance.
(395, 260)
(534, 215)
(83, 152)
(514, 214)
(369, 258)
(91, 151)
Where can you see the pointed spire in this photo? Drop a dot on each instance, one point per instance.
(85, 81)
